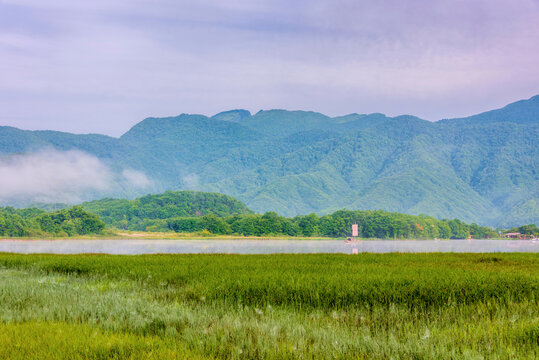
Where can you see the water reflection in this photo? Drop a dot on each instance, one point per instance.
(262, 246)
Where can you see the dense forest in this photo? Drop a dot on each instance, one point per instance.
(37, 222)
(144, 213)
(231, 217)
(372, 224)
(193, 211)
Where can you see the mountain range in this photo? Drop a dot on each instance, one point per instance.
(483, 168)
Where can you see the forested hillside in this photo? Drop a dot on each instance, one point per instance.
(202, 214)
(483, 169)
(141, 213)
(192, 212)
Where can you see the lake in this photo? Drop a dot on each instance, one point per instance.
(139, 246)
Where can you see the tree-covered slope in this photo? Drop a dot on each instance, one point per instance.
(483, 168)
(402, 168)
(13, 140)
(122, 213)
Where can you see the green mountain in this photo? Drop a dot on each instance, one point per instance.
(482, 169)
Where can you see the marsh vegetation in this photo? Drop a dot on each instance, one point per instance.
(270, 307)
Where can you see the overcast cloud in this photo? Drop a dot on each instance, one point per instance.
(101, 66)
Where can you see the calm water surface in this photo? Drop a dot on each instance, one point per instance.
(131, 247)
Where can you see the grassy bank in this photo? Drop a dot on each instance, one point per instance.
(271, 306)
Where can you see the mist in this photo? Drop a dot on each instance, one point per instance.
(52, 176)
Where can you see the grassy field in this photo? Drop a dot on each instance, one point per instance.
(316, 306)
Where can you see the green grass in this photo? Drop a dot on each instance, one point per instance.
(270, 306)
(53, 340)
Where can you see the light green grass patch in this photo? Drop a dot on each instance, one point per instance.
(54, 340)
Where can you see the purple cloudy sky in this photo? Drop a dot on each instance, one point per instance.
(103, 65)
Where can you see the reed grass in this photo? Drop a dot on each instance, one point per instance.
(272, 306)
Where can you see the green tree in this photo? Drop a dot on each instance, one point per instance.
(308, 224)
(215, 224)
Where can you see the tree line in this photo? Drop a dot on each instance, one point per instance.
(37, 222)
(530, 229)
(372, 224)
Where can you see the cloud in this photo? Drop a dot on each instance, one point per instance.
(136, 178)
(61, 176)
(190, 181)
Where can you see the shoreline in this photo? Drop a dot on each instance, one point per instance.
(113, 238)
(259, 246)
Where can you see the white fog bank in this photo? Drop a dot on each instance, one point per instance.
(61, 176)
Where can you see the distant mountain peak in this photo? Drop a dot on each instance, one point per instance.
(518, 112)
(236, 115)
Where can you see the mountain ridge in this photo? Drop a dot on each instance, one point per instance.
(481, 168)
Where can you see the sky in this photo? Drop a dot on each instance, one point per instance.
(101, 66)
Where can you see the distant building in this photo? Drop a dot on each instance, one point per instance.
(517, 236)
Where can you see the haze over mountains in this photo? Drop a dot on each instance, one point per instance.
(483, 168)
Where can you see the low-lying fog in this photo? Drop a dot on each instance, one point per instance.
(129, 247)
(52, 176)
